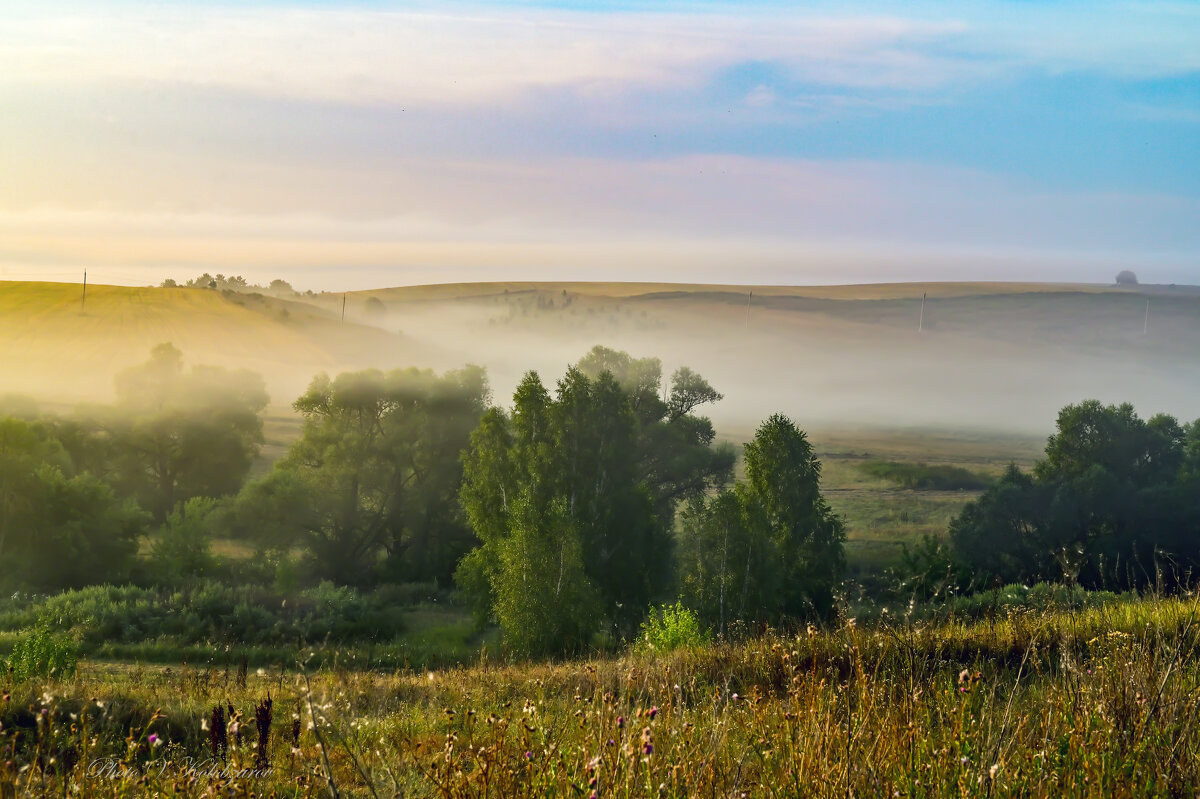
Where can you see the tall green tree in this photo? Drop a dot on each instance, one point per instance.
(58, 529)
(370, 489)
(677, 454)
(175, 434)
(771, 550)
(584, 458)
(784, 480)
(1114, 503)
(725, 561)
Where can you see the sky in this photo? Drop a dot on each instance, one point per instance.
(359, 145)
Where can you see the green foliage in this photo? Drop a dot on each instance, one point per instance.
(212, 613)
(183, 548)
(58, 529)
(722, 559)
(769, 551)
(175, 434)
(923, 477)
(671, 627)
(370, 489)
(40, 654)
(582, 487)
(1115, 503)
(806, 557)
(544, 602)
(928, 571)
(1039, 598)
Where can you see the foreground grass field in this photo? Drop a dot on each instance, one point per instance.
(1083, 702)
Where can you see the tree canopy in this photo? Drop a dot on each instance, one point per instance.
(370, 488)
(770, 550)
(1114, 503)
(58, 529)
(573, 496)
(174, 434)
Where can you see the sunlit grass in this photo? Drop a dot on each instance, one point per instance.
(1096, 702)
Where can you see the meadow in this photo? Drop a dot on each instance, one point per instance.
(228, 662)
(1066, 700)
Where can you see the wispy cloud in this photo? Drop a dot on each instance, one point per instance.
(489, 56)
(556, 138)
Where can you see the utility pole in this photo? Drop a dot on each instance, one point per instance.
(343, 307)
(921, 323)
(83, 297)
(1146, 321)
(748, 300)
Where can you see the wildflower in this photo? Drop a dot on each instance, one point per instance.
(653, 712)
(154, 740)
(620, 722)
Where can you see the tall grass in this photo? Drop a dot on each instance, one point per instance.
(1095, 701)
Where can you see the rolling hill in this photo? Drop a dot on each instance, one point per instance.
(988, 355)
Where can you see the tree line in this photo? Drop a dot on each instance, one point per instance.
(1114, 504)
(555, 518)
(563, 517)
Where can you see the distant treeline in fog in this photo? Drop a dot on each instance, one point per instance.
(563, 518)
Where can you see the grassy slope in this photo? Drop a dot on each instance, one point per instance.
(52, 348)
(1089, 703)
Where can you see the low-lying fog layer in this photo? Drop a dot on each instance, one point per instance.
(998, 357)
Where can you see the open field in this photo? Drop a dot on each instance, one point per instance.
(1079, 702)
(881, 516)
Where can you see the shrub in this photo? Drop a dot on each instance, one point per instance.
(211, 612)
(183, 549)
(42, 654)
(671, 627)
(922, 476)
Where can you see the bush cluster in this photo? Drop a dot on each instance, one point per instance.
(210, 613)
(923, 477)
